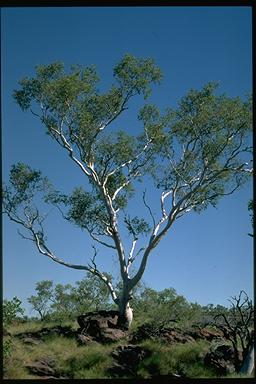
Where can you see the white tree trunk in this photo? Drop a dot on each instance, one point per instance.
(125, 312)
(248, 364)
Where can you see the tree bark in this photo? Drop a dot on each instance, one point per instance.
(248, 363)
(125, 311)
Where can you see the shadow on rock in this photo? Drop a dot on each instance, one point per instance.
(99, 326)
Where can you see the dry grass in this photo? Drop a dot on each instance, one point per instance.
(71, 360)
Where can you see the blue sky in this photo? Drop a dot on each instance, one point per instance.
(207, 257)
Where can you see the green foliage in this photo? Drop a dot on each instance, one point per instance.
(91, 365)
(42, 300)
(150, 303)
(195, 154)
(7, 348)
(207, 136)
(180, 359)
(135, 75)
(11, 309)
(24, 182)
(200, 148)
(136, 226)
(63, 302)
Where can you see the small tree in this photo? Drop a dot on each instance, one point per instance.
(195, 155)
(11, 309)
(41, 302)
(237, 325)
(91, 294)
(161, 307)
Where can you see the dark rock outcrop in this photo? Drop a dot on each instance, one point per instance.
(127, 359)
(42, 367)
(206, 334)
(45, 368)
(170, 335)
(222, 359)
(100, 326)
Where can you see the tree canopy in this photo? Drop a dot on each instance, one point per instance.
(194, 154)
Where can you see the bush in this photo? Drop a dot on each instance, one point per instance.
(11, 309)
(182, 359)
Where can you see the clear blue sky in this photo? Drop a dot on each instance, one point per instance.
(207, 257)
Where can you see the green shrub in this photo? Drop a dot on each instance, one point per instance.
(88, 363)
(182, 359)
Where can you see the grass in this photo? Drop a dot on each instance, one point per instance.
(182, 359)
(71, 360)
(92, 361)
(88, 363)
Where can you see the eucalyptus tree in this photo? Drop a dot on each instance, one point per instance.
(194, 154)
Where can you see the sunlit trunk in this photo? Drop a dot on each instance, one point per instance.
(125, 311)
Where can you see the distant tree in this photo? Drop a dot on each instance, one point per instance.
(91, 294)
(64, 302)
(195, 155)
(163, 307)
(41, 302)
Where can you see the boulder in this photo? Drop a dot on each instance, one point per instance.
(152, 331)
(109, 335)
(42, 367)
(83, 339)
(206, 334)
(176, 336)
(100, 326)
(127, 359)
(90, 321)
(222, 359)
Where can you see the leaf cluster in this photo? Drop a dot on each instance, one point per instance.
(11, 309)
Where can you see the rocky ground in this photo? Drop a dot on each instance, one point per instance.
(101, 327)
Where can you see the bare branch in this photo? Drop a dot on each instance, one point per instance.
(149, 209)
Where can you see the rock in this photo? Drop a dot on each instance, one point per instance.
(206, 334)
(84, 339)
(176, 336)
(42, 367)
(222, 359)
(31, 340)
(101, 318)
(100, 326)
(127, 359)
(109, 335)
(152, 331)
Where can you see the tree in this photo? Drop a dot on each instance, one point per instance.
(237, 326)
(91, 294)
(167, 303)
(62, 302)
(41, 302)
(194, 155)
(11, 309)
